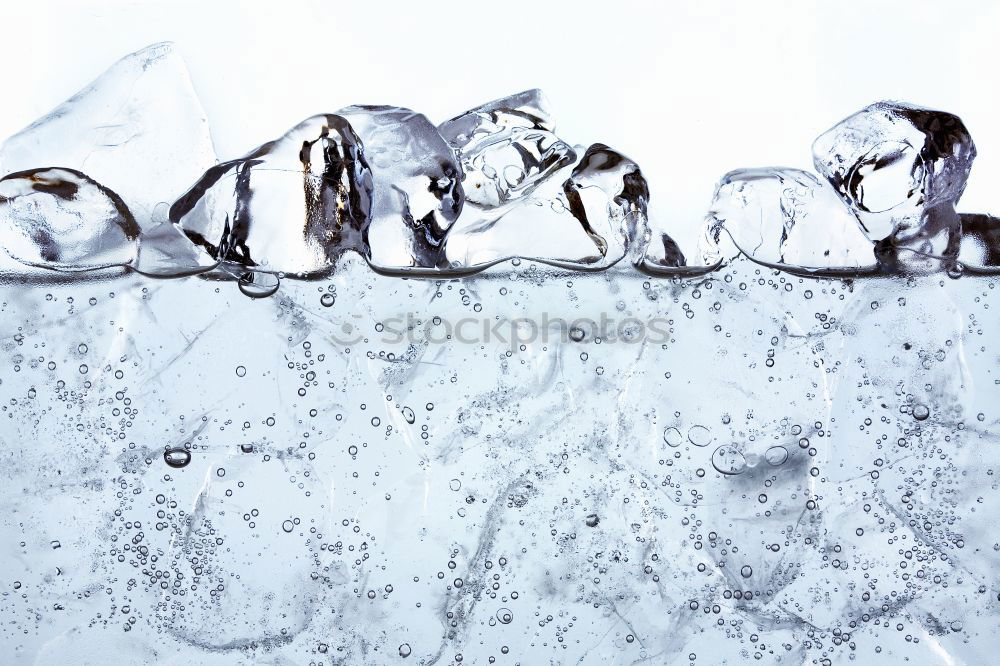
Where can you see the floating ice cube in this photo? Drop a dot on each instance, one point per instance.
(165, 251)
(589, 216)
(786, 218)
(506, 148)
(901, 169)
(63, 220)
(293, 205)
(138, 129)
(417, 187)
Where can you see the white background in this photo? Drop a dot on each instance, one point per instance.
(689, 91)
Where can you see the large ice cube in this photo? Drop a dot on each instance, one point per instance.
(783, 217)
(506, 148)
(63, 220)
(138, 129)
(417, 187)
(589, 216)
(293, 205)
(900, 168)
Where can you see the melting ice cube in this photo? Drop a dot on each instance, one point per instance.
(589, 216)
(783, 217)
(138, 129)
(901, 169)
(293, 205)
(417, 187)
(506, 148)
(61, 219)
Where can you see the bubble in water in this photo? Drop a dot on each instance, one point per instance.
(505, 616)
(776, 455)
(327, 300)
(288, 526)
(699, 435)
(673, 437)
(177, 457)
(258, 285)
(746, 571)
(728, 460)
(404, 650)
(921, 412)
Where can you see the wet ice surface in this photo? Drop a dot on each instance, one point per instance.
(744, 466)
(138, 129)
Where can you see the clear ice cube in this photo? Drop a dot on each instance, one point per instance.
(980, 246)
(138, 129)
(294, 205)
(61, 219)
(506, 147)
(417, 187)
(901, 168)
(783, 217)
(165, 251)
(588, 216)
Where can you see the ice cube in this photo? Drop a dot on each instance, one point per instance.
(293, 205)
(165, 251)
(138, 129)
(980, 246)
(901, 169)
(786, 218)
(417, 187)
(63, 220)
(506, 148)
(589, 216)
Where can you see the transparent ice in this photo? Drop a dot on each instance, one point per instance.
(784, 217)
(293, 205)
(417, 187)
(61, 219)
(588, 215)
(902, 169)
(138, 129)
(507, 148)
